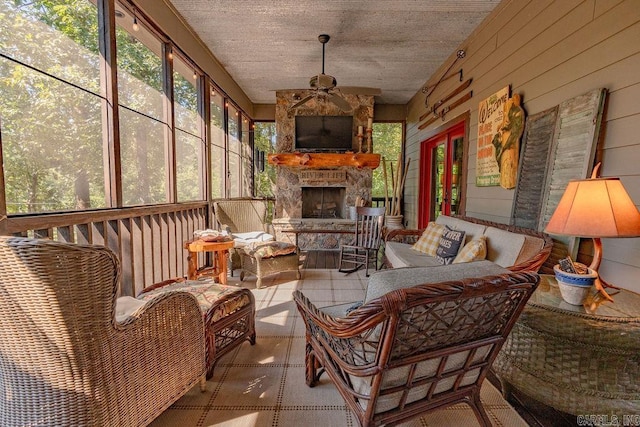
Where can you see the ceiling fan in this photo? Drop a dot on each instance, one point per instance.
(326, 85)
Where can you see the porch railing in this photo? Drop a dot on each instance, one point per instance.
(148, 240)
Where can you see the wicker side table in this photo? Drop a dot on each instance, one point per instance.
(577, 359)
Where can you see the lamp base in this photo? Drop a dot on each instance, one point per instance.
(597, 257)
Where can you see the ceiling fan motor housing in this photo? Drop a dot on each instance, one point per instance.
(322, 81)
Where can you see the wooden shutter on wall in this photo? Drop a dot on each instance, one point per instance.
(536, 143)
(573, 148)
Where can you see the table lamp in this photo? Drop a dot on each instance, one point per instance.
(596, 208)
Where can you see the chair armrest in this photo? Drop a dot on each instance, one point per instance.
(404, 235)
(351, 341)
(168, 336)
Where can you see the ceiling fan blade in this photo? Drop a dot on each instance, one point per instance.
(340, 102)
(356, 90)
(302, 101)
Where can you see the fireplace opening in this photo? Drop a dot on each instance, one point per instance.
(323, 202)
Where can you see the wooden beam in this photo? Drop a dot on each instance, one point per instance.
(325, 160)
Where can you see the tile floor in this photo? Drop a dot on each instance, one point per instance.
(264, 385)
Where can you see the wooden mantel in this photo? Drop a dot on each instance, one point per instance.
(325, 160)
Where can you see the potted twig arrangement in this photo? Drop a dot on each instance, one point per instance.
(393, 202)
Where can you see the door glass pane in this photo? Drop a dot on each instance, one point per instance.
(456, 175)
(438, 181)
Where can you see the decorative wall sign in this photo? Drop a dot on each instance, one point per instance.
(490, 117)
(323, 175)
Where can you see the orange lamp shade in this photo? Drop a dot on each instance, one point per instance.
(596, 207)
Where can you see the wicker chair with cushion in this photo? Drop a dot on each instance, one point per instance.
(411, 346)
(66, 360)
(246, 221)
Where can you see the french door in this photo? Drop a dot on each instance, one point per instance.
(441, 175)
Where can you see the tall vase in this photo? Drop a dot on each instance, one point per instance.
(393, 222)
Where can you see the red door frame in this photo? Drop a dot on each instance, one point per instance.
(426, 175)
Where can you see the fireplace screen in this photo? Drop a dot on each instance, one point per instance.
(323, 202)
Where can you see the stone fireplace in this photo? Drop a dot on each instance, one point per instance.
(318, 198)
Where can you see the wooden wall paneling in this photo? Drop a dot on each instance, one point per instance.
(536, 143)
(572, 152)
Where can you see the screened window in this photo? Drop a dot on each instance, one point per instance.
(387, 141)
(246, 155)
(235, 165)
(142, 123)
(189, 143)
(50, 106)
(217, 146)
(264, 140)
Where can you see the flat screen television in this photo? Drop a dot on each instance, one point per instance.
(324, 133)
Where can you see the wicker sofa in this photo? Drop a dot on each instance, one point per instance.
(423, 338)
(64, 358)
(515, 248)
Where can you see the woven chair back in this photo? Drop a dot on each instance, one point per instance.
(241, 215)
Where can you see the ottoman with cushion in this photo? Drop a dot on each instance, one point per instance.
(228, 311)
(265, 258)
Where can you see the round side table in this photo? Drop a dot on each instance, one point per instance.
(583, 360)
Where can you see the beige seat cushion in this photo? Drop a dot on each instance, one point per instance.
(403, 255)
(386, 281)
(503, 247)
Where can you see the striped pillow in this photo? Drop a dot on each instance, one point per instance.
(475, 250)
(428, 242)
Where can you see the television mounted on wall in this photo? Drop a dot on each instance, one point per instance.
(323, 133)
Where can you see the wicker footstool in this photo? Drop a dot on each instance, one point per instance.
(269, 258)
(229, 313)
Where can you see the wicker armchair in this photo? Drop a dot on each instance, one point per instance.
(414, 349)
(244, 216)
(65, 360)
